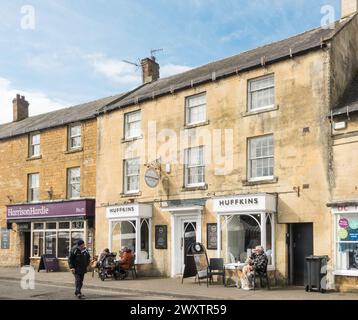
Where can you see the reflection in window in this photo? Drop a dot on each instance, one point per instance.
(50, 243)
(144, 236)
(63, 244)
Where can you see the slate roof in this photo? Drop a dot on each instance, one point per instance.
(349, 102)
(56, 118)
(281, 50)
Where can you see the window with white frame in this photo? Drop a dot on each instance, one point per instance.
(133, 125)
(33, 187)
(131, 175)
(74, 136)
(261, 93)
(34, 145)
(261, 158)
(194, 167)
(242, 233)
(196, 109)
(55, 238)
(74, 183)
(346, 226)
(133, 234)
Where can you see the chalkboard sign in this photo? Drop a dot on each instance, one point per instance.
(48, 262)
(5, 239)
(196, 262)
(161, 237)
(212, 236)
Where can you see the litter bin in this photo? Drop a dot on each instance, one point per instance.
(316, 273)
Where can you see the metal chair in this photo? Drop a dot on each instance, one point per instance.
(215, 268)
(132, 268)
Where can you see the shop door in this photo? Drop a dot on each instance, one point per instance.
(188, 237)
(301, 244)
(27, 248)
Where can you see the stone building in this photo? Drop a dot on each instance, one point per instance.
(47, 181)
(250, 150)
(232, 154)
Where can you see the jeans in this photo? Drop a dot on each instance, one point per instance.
(79, 283)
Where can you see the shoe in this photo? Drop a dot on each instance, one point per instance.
(81, 296)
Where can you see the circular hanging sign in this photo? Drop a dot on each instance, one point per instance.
(152, 178)
(343, 234)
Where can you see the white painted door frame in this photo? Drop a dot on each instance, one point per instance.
(177, 222)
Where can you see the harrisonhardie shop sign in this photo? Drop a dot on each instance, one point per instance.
(80, 208)
(245, 203)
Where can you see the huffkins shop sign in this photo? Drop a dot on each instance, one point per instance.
(79, 208)
(245, 203)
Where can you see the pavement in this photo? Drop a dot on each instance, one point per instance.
(59, 286)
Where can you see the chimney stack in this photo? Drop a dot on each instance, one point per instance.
(349, 7)
(150, 70)
(20, 108)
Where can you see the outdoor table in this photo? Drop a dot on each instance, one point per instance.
(237, 267)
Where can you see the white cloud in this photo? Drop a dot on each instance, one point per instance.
(123, 73)
(115, 70)
(172, 69)
(39, 101)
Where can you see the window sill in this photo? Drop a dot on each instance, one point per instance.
(195, 188)
(346, 273)
(34, 158)
(73, 150)
(196, 125)
(264, 110)
(126, 140)
(131, 195)
(247, 183)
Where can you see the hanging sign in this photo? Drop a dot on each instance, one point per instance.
(152, 178)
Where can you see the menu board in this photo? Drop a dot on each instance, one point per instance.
(5, 239)
(161, 237)
(49, 263)
(212, 236)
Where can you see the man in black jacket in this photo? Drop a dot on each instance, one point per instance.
(78, 262)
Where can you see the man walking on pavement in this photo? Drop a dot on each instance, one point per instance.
(78, 262)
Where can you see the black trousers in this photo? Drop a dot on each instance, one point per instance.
(79, 282)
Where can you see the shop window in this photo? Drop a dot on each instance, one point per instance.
(196, 109)
(74, 183)
(33, 187)
(131, 175)
(132, 126)
(347, 243)
(194, 167)
(240, 234)
(261, 158)
(34, 145)
(38, 244)
(74, 137)
(262, 93)
(63, 244)
(144, 239)
(126, 234)
(56, 238)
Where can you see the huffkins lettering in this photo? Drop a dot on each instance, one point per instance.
(28, 212)
(122, 209)
(236, 202)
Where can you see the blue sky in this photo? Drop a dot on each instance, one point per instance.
(74, 54)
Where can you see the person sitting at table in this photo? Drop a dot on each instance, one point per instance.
(256, 263)
(125, 259)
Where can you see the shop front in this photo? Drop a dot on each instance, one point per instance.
(52, 228)
(345, 231)
(245, 222)
(130, 226)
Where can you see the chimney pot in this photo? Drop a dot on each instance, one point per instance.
(349, 7)
(20, 108)
(150, 70)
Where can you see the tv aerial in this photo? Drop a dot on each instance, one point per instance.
(153, 52)
(135, 64)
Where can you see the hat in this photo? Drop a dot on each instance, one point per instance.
(80, 242)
